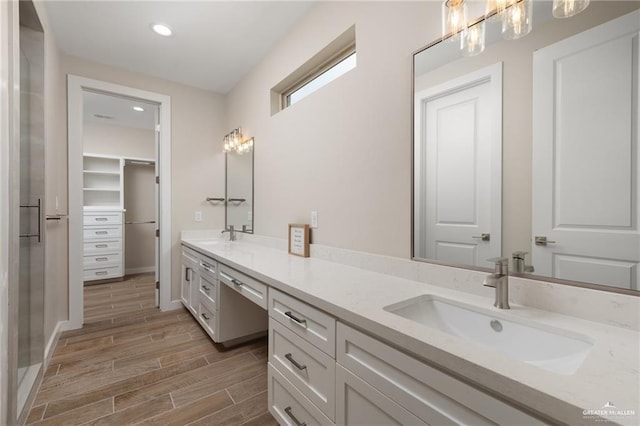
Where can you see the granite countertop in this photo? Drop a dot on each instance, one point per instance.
(609, 373)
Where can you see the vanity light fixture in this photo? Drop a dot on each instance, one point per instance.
(137, 108)
(234, 141)
(472, 42)
(161, 29)
(517, 20)
(454, 18)
(516, 17)
(568, 8)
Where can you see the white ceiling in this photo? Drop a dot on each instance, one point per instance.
(214, 43)
(108, 109)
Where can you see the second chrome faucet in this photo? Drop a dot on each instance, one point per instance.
(500, 281)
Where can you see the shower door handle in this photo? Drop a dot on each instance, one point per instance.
(39, 207)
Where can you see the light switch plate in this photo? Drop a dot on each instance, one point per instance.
(314, 219)
(198, 216)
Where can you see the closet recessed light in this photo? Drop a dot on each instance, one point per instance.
(137, 108)
(161, 29)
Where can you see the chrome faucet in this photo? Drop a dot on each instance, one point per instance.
(519, 266)
(232, 232)
(500, 281)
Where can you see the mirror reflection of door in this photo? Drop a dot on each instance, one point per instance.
(458, 181)
(585, 172)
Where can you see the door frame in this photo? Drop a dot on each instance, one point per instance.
(75, 86)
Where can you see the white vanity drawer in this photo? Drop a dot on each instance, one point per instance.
(102, 246)
(103, 218)
(430, 394)
(92, 233)
(102, 273)
(304, 320)
(102, 260)
(288, 406)
(307, 367)
(207, 318)
(361, 404)
(250, 288)
(207, 290)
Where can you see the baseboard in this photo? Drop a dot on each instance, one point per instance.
(143, 270)
(53, 340)
(173, 305)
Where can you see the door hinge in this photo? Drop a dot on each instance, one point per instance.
(157, 179)
(157, 233)
(158, 128)
(157, 285)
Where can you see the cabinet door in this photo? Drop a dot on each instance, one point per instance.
(188, 279)
(358, 403)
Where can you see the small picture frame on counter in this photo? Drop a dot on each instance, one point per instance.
(299, 239)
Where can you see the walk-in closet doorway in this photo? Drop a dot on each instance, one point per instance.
(119, 208)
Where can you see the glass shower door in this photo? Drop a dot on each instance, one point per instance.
(31, 265)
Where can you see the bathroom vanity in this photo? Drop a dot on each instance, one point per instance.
(349, 346)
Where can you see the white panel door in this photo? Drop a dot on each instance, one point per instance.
(459, 150)
(585, 156)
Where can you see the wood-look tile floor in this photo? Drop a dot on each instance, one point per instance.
(132, 364)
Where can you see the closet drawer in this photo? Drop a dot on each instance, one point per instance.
(250, 288)
(313, 325)
(92, 233)
(307, 367)
(103, 219)
(102, 273)
(102, 260)
(103, 246)
(289, 406)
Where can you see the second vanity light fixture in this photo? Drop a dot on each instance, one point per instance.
(515, 15)
(234, 141)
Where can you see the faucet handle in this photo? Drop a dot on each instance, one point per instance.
(501, 264)
(519, 254)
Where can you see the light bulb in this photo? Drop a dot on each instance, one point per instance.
(517, 20)
(454, 18)
(568, 8)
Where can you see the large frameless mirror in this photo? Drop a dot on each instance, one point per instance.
(529, 150)
(239, 189)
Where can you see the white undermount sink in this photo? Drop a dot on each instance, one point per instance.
(554, 350)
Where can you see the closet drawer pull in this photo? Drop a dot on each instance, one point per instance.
(101, 272)
(294, 362)
(295, 420)
(101, 246)
(299, 321)
(101, 219)
(206, 317)
(101, 259)
(236, 282)
(206, 289)
(102, 232)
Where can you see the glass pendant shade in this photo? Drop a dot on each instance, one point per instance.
(517, 20)
(472, 42)
(454, 18)
(499, 7)
(568, 8)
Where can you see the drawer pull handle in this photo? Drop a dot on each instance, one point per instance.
(101, 246)
(101, 273)
(295, 363)
(206, 289)
(296, 421)
(206, 317)
(299, 321)
(101, 219)
(101, 259)
(236, 282)
(101, 232)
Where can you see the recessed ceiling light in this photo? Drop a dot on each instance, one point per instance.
(137, 108)
(161, 29)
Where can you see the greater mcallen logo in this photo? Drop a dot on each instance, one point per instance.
(608, 411)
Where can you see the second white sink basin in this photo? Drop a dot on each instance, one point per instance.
(554, 350)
